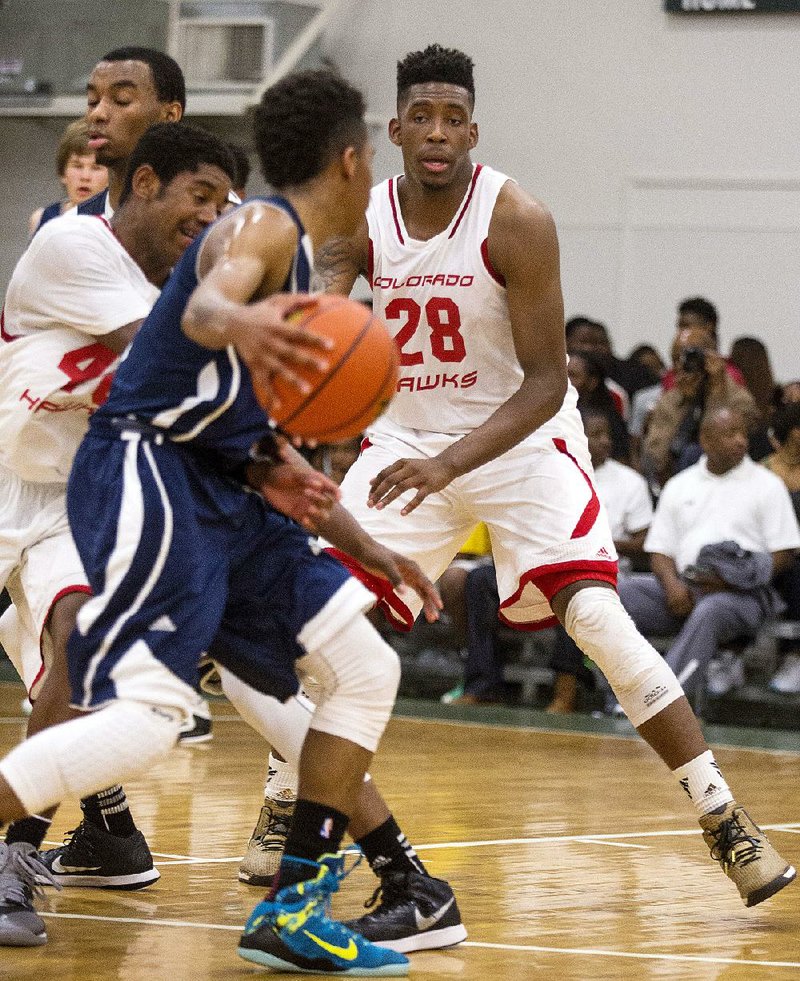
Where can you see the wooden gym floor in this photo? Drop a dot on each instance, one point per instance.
(573, 856)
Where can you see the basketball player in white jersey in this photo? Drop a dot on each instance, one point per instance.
(76, 298)
(464, 266)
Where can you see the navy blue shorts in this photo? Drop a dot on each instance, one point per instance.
(182, 561)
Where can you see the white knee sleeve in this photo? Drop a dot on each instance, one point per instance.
(642, 681)
(85, 755)
(283, 724)
(357, 674)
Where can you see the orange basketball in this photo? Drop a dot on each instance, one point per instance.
(358, 385)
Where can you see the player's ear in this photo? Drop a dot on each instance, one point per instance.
(473, 135)
(172, 112)
(349, 161)
(145, 183)
(394, 131)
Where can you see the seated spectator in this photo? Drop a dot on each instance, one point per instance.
(750, 356)
(647, 356)
(587, 375)
(671, 442)
(722, 530)
(483, 671)
(585, 336)
(785, 463)
(698, 313)
(645, 399)
(81, 176)
(476, 550)
(787, 393)
(627, 501)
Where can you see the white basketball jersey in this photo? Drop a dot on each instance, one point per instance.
(74, 283)
(448, 310)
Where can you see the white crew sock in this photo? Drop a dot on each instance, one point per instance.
(281, 780)
(703, 781)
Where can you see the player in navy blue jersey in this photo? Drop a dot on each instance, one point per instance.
(184, 557)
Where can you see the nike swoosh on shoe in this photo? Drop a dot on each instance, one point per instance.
(426, 922)
(60, 869)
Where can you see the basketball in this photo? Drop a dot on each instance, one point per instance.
(357, 386)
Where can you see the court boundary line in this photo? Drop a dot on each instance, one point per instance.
(478, 944)
(611, 838)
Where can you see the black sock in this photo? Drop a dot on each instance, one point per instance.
(31, 829)
(316, 830)
(108, 809)
(388, 850)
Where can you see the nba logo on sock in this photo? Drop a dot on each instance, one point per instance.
(327, 827)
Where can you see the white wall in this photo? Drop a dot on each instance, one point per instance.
(668, 148)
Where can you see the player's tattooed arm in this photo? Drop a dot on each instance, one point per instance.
(340, 261)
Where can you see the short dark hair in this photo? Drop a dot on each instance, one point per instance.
(242, 162)
(304, 121)
(702, 308)
(435, 64)
(786, 418)
(172, 148)
(575, 323)
(168, 78)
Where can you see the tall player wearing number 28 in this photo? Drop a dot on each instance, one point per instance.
(484, 427)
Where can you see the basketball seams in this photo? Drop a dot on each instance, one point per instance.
(354, 344)
(363, 411)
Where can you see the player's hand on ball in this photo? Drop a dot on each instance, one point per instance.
(273, 346)
(301, 493)
(425, 476)
(404, 574)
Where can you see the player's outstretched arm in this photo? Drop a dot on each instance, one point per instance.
(293, 487)
(343, 531)
(243, 264)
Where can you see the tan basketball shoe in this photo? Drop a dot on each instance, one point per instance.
(265, 848)
(745, 854)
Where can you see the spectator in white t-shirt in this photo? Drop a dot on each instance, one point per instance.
(626, 498)
(724, 497)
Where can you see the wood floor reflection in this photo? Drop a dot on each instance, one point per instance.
(573, 857)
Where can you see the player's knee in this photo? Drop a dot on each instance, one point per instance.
(639, 676)
(79, 757)
(358, 674)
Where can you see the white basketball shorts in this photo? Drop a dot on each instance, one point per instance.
(547, 526)
(38, 565)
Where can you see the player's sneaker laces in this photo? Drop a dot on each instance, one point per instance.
(294, 933)
(21, 871)
(265, 848)
(416, 912)
(745, 854)
(197, 729)
(92, 857)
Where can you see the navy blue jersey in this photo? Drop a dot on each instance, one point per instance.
(201, 399)
(51, 211)
(95, 205)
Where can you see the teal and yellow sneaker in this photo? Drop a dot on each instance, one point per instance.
(294, 933)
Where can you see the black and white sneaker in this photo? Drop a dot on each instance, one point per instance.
(197, 729)
(92, 857)
(416, 912)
